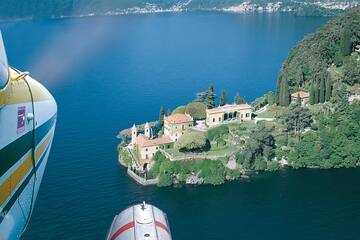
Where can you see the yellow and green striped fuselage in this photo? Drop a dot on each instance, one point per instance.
(27, 124)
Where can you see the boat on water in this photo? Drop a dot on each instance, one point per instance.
(27, 123)
(141, 221)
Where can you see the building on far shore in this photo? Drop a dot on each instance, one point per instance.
(304, 97)
(228, 112)
(176, 125)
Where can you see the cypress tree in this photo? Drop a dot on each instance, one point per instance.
(328, 88)
(238, 99)
(285, 94)
(298, 100)
(345, 42)
(278, 91)
(161, 116)
(322, 91)
(312, 95)
(338, 58)
(223, 98)
(316, 94)
(210, 97)
(301, 78)
(270, 98)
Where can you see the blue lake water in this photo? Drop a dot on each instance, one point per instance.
(107, 73)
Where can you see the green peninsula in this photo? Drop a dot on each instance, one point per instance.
(312, 120)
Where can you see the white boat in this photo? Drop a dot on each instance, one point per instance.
(142, 221)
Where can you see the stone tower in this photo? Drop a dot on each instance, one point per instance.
(147, 130)
(133, 134)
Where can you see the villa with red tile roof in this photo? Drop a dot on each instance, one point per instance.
(304, 97)
(177, 124)
(146, 146)
(174, 126)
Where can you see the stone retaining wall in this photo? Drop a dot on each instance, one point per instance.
(140, 180)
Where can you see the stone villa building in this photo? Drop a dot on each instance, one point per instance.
(145, 145)
(228, 112)
(174, 126)
(177, 124)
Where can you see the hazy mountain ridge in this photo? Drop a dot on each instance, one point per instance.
(18, 9)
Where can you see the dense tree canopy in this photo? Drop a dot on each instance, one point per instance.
(351, 71)
(334, 145)
(179, 109)
(260, 147)
(197, 110)
(308, 62)
(208, 97)
(297, 118)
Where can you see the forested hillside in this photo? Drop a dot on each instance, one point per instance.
(327, 65)
(322, 59)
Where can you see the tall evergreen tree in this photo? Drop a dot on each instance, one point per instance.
(328, 87)
(238, 99)
(322, 90)
(278, 91)
(297, 118)
(161, 116)
(285, 96)
(312, 95)
(210, 97)
(340, 99)
(345, 42)
(270, 98)
(301, 78)
(201, 97)
(223, 98)
(338, 58)
(298, 100)
(316, 94)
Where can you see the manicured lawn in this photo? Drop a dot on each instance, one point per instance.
(266, 114)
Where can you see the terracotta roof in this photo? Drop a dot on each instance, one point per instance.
(229, 108)
(156, 141)
(141, 139)
(179, 118)
(302, 94)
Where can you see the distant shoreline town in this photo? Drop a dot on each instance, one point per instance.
(301, 8)
(72, 9)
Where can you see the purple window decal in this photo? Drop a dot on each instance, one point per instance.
(21, 119)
